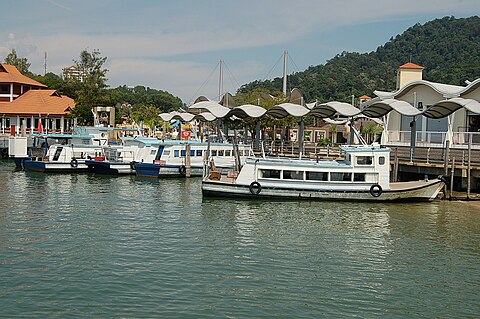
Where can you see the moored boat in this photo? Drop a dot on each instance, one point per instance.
(363, 175)
(120, 159)
(64, 153)
(172, 159)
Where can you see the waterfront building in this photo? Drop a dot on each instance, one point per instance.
(27, 104)
(430, 112)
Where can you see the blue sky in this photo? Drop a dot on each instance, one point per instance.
(176, 45)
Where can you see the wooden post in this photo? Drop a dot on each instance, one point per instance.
(445, 163)
(395, 166)
(469, 167)
(452, 174)
(187, 161)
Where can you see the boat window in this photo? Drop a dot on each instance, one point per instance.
(270, 173)
(344, 177)
(359, 177)
(57, 153)
(159, 153)
(176, 153)
(317, 176)
(293, 175)
(183, 153)
(214, 152)
(381, 160)
(199, 152)
(166, 153)
(228, 153)
(153, 152)
(364, 160)
(192, 152)
(220, 152)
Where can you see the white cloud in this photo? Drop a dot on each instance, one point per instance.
(150, 42)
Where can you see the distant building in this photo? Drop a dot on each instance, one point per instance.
(25, 102)
(73, 73)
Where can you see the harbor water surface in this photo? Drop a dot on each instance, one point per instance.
(86, 246)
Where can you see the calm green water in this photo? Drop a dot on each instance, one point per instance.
(84, 246)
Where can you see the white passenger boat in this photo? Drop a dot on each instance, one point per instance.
(65, 153)
(120, 159)
(173, 158)
(363, 175)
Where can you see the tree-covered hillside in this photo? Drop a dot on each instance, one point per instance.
(448, 48)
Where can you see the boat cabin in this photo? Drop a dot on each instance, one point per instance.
(361, 167)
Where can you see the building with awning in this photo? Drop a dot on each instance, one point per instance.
(433, 112)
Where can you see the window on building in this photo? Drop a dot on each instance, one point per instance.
(4, 89)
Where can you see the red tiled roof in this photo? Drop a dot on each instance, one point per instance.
(35, 102)
(411, 65)
(10, 74)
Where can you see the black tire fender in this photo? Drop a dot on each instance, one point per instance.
(74, 163)
(376, 190)
(255, 188)
(182, 170)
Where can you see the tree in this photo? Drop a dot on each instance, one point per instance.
(21, 64)
(90, 84)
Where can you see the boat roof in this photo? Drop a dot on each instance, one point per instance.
(62, 135)
(296, 162)
(375, 147)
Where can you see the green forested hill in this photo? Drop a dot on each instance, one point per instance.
(448, 48)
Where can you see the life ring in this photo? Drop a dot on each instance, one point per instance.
(182, 170)
(74, 163)
(375, 190)
(255, 188)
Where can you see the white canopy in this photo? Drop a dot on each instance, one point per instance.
(285, 109)
(330, 109)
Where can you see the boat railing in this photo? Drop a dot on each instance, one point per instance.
(294, 149)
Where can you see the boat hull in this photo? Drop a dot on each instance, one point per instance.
(158, 171)
(54, 167)
(409, 191)
(110, 168)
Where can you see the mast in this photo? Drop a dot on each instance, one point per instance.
(220, 81)
(285, 61)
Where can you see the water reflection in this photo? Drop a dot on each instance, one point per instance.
(75, 239)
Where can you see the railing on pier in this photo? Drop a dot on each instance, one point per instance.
(434, 139)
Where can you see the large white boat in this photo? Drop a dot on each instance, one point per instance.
(363, 175)
(65, 153)
(173, 158)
